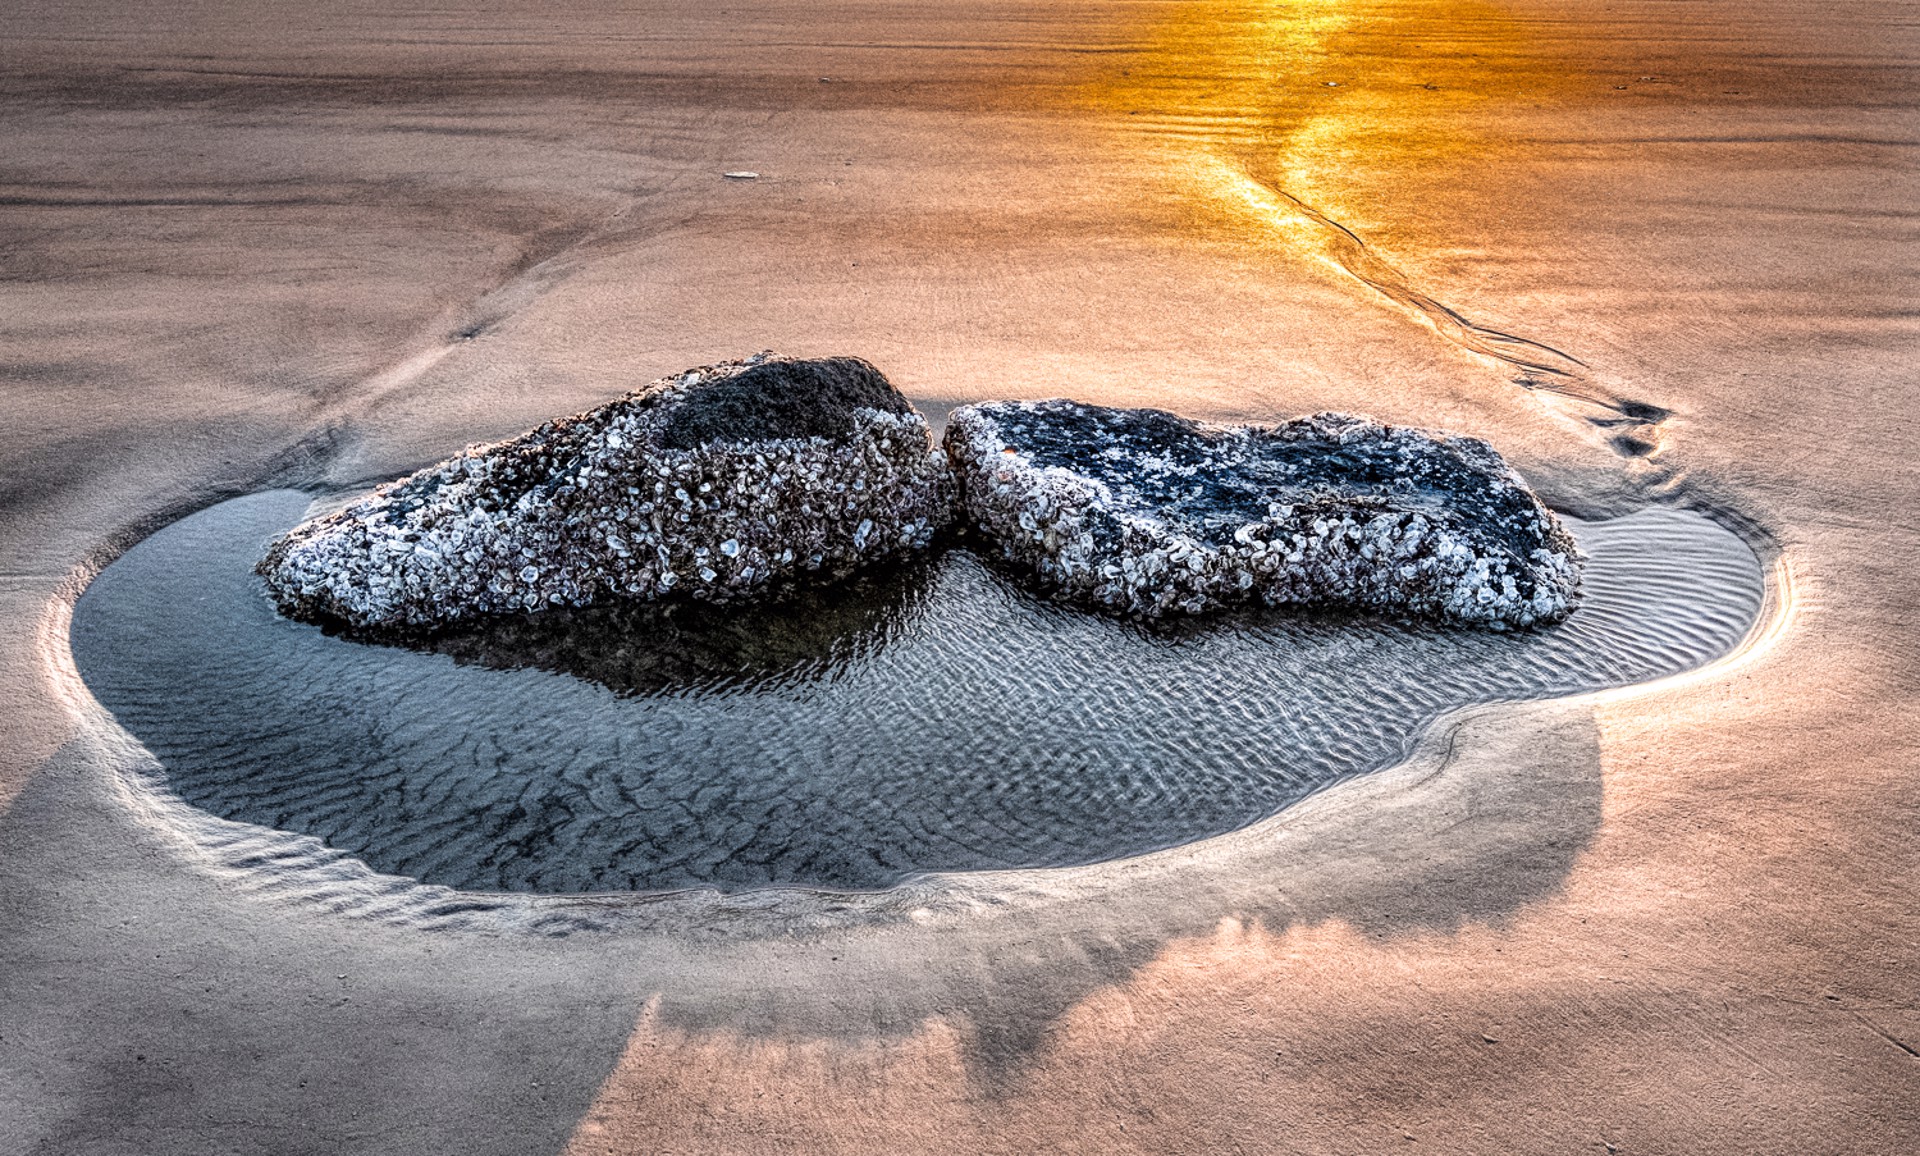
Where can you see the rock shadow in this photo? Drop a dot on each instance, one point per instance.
(645, 648)
(1489, 818)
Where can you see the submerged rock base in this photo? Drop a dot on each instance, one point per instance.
(719, 483)
(1146, 513)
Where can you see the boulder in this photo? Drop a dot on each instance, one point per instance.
(719, 483)
(1146, 513)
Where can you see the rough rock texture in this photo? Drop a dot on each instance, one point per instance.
(716, 483)
(1147, 513)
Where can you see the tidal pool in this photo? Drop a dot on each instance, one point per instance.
(929, 718)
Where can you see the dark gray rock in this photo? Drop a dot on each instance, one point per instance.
(1147, 513)
(718, 483)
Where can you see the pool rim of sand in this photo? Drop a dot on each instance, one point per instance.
(318, 878)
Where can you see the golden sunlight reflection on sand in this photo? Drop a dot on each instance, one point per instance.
(1281, 111)
(1310, 94)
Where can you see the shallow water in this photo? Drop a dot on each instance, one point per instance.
(934, 718)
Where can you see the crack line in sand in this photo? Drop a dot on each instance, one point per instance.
(1364, 265)
(1888, 1036)
(1544, 369)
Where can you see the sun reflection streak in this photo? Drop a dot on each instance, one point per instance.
(1297, 121)
(1301, 93)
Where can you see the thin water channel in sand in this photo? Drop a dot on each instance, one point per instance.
(934, 718)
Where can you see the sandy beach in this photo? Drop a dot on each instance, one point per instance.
(1661, 255)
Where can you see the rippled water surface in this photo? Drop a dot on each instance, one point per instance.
(933, 718)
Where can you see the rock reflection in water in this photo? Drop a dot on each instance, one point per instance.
(642, 648)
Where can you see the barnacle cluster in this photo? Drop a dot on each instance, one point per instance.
(733, 480)
(1147, 513)
(717, 483)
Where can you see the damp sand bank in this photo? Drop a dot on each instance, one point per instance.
(1648, 250)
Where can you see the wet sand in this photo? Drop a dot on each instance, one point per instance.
(1655, 253)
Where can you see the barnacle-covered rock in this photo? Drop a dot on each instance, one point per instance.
(1147, 513)
(717, 483)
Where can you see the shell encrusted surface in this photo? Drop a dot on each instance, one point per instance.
(1146, 513)
(718, 483)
